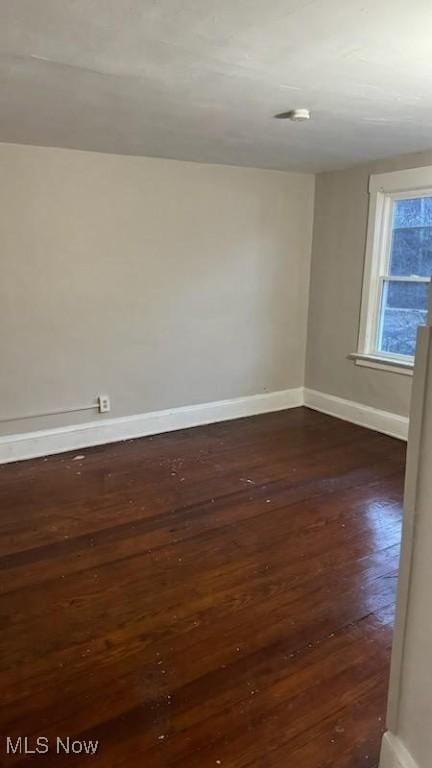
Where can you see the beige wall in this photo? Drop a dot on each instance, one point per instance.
(161, 283)
(339, 238)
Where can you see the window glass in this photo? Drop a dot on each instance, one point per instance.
(411, 241)
(403, 308)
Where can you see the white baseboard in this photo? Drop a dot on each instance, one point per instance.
(357, 413)
(29, 445)
(394, 754)
(49, 441)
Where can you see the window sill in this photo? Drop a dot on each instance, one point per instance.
(382, 363)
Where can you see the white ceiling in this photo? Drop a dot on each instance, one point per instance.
(201, 79)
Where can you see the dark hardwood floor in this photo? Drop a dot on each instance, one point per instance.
(221, 596)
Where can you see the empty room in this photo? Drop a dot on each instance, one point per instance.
(215, 383)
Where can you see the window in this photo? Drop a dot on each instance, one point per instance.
(398, 268)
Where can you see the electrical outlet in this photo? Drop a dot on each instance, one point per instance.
(104, 403)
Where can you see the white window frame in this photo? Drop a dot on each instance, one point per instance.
(384, 189)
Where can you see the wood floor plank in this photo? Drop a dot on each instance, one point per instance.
(218, 596)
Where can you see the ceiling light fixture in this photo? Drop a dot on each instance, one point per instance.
(296, 115)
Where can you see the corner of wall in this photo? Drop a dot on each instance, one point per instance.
(309, 284)
(394, 754)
